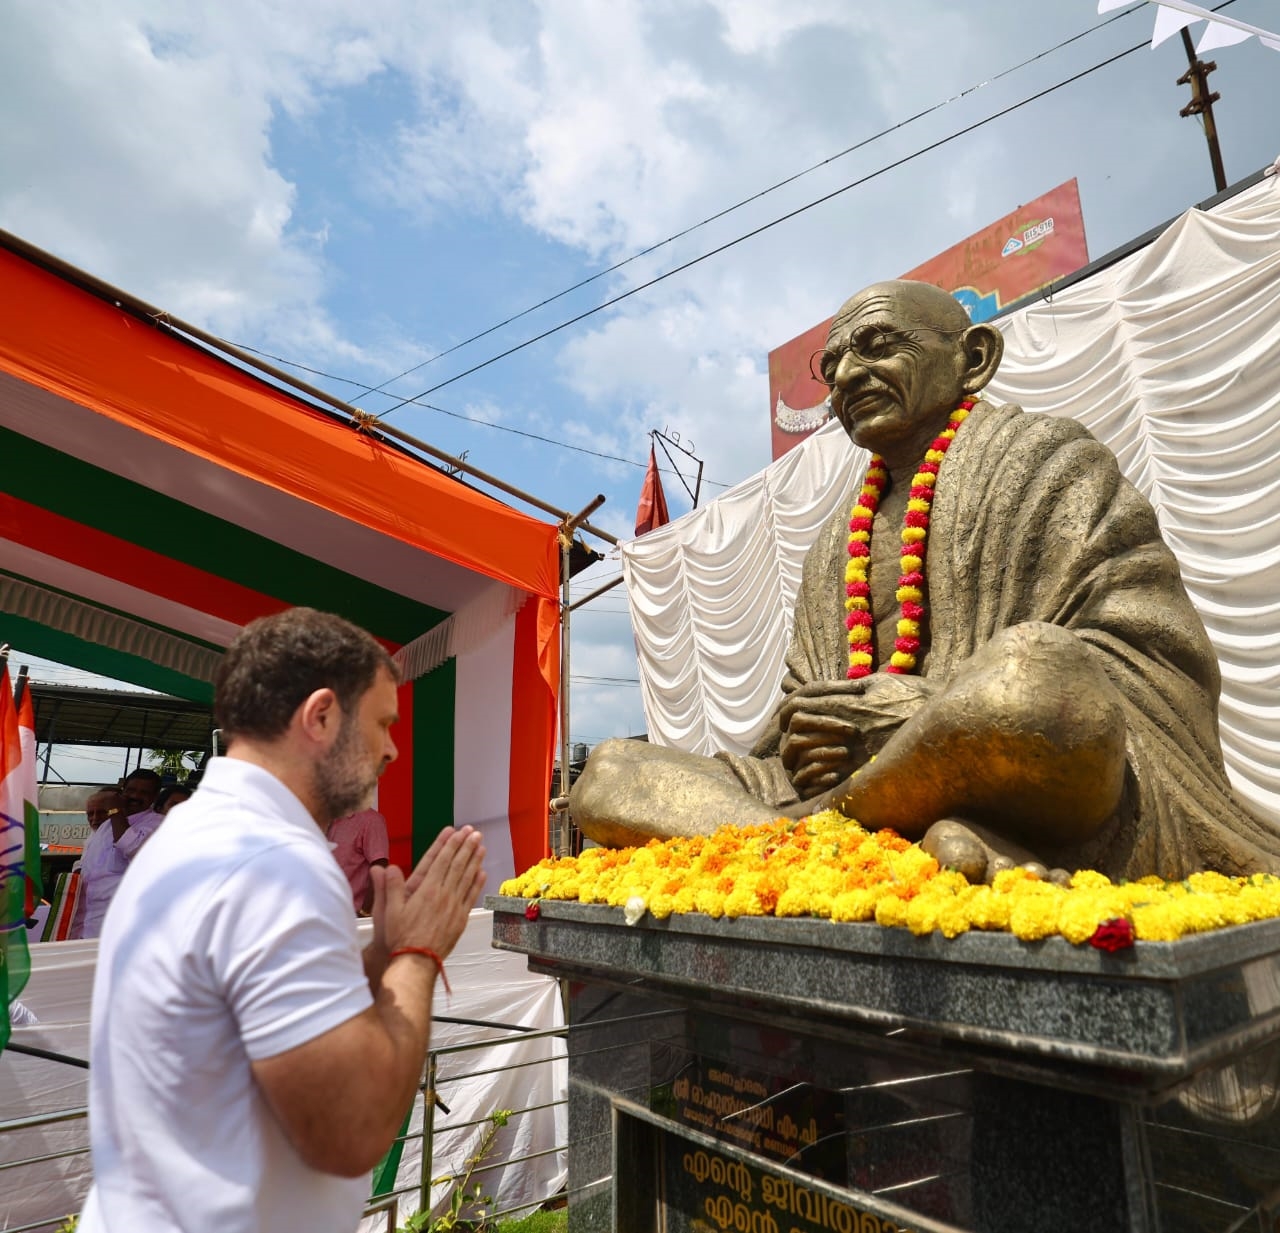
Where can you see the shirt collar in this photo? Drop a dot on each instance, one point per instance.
(253, 788)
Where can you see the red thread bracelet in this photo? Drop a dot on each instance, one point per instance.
(430, 954)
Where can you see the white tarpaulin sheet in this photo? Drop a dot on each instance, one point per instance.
(1171, 357)
(488, 985)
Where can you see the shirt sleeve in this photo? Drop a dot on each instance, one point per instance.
(285, 951)
(129, 844)
(138, 832)
(376, 845)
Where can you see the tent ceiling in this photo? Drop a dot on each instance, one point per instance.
(69, 715)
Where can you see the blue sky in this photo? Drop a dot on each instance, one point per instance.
(357, 187)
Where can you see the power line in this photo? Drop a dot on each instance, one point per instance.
(457, 415)
(756, 196)
(873, 175)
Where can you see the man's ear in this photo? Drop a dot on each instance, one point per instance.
(319, 717)
(983, 348)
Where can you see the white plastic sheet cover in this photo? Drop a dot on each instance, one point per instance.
(487, 984)
(1171, 357)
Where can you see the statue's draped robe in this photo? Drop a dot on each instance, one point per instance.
(1032, 521)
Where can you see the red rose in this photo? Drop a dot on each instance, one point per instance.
(534, 910)
(1113, 935)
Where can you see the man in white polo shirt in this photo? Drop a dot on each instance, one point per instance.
(250, 1065)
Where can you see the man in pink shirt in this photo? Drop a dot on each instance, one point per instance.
(359, 843)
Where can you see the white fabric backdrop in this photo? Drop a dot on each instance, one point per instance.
(1171, 357)
(487, 984)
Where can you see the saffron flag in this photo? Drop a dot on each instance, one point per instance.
(652, 511)
(15, 964)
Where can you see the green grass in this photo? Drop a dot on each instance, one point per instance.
(538, 1222)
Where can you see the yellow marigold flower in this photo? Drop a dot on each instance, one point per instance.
(856, 905)
(1156, 922)
(988, 910)
(925, 477)
(1033, 917)
(913, 535)
(900, 659)
(891, 910)
(661, 906)
(861, 511)
(910, 562)
(1212, 883)
(1089, 879)
(1082, 911)
(907, 628)
(828, 866)
(953, 917)
(918, 505)
(922, 914)
(707, 899)
(933, 455)
(1008, 880)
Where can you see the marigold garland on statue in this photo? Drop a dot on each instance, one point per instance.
(828, 866)
(915, 537)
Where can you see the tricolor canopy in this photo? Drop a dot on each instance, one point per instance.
(155, 497)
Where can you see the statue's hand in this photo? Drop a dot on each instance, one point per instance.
(831, 728)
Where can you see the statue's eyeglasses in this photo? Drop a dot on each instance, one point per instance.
(869, 345)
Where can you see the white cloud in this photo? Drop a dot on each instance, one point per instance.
(144, 144)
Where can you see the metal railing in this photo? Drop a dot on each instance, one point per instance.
(432, 1102)
(391, 1202)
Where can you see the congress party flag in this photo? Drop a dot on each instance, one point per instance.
(29, 784)
(15, 963)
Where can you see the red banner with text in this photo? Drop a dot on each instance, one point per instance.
(1020, 253)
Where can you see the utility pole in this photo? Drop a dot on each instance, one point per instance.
(1202, 104)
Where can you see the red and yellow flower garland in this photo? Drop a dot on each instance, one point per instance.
(915, 533)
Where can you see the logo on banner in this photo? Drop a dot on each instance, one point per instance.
(1032, 237)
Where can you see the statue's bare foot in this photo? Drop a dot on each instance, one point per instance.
(979, 853)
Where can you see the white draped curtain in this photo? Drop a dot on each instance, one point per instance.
(1170, 356)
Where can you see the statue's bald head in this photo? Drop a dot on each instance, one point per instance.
(909, 303)
(900, 357)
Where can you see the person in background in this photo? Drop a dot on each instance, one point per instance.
(102, 864)
(173, 795)
(140, 788)
(360, 844)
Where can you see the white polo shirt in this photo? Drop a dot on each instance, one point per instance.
(231, 940)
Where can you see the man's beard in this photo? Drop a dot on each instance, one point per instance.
(343, 781)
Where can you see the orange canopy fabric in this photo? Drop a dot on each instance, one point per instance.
(79, 347)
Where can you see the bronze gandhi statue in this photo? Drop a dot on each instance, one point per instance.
(1060, 703)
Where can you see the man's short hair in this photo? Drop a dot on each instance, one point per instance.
(277, 662)
(151, 777)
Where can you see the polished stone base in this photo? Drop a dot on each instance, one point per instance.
(799, 1074)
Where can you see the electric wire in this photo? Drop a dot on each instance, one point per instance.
(756, 196)
(768, 226)
(469, 419)
(417, 400)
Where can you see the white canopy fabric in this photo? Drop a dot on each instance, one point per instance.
(1171, 357)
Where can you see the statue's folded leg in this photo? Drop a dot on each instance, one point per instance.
(1028, 738)
(631, 792)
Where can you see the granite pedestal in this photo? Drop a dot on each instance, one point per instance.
(769, 1075)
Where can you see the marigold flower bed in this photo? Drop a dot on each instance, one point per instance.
(828, 866)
